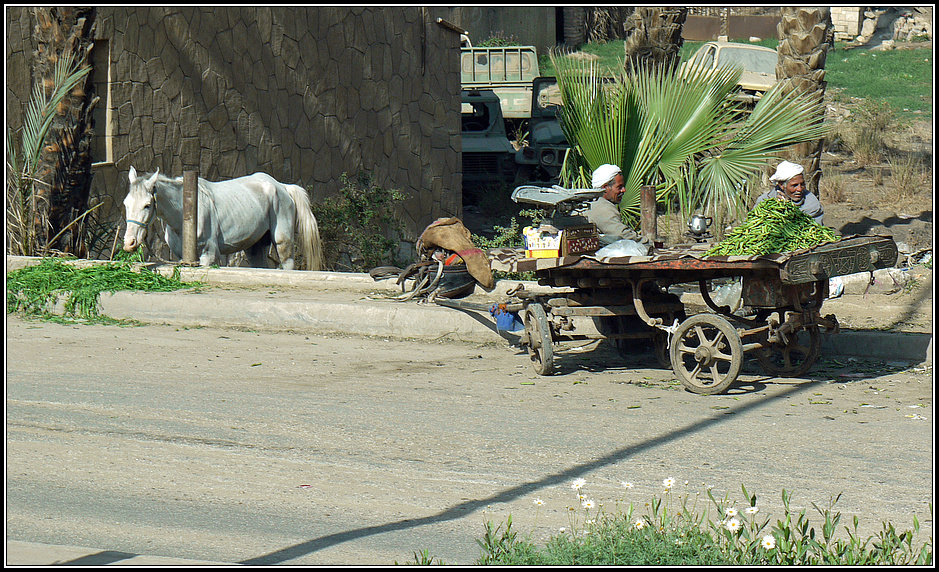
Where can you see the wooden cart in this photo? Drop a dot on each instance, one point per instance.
(628, 298)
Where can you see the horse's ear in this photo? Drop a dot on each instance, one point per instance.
(132, 176)
(152, 180)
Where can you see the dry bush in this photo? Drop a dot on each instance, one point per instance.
(833, 189)
(872, 121)
(907, 175)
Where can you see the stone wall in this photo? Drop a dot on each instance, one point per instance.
(847, 21)
(528, 25)
(304, 94)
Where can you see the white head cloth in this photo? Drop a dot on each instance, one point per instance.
(604, 174)
(786, 171)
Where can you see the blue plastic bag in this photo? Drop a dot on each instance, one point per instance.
(506, 321)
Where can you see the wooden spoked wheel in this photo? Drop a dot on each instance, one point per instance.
(795, 358)
(540, 342)
(706, 354)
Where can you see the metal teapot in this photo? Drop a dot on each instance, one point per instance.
(699, 224)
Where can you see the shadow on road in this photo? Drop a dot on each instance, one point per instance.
(465, 508)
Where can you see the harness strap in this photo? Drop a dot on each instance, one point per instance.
(152, 213)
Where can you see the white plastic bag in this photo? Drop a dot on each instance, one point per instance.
(728, 294)
(622, 247)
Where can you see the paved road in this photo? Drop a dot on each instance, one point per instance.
(289, 448)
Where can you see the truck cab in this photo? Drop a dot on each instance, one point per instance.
(488, 155)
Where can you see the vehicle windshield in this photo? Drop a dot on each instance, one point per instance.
(757, 61)
(475, 116)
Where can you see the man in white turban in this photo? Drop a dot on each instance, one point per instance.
(790, 186)
(604, 210)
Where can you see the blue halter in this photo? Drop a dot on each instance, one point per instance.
(150, 219)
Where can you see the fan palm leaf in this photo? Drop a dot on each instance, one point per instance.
(678, 131)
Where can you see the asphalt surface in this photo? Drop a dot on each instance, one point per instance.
(324, 302)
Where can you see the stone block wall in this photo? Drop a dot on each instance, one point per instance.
(847, 21)
(304, 94)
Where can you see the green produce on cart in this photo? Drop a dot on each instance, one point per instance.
(773, 226)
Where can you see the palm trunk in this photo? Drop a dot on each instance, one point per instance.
(64, 171)
(805, 35)
(653, 36)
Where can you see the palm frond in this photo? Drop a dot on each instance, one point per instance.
(678, 131)
(41, 110)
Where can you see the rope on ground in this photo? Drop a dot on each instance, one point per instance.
(424, 283)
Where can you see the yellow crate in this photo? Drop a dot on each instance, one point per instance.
(542, 253)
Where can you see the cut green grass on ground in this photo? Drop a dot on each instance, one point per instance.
(35, 290)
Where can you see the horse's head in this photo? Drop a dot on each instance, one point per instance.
(139, 208)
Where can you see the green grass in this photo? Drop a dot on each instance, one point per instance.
(902, 78)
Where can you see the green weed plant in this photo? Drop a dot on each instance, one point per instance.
(673, 530)
(362, 223)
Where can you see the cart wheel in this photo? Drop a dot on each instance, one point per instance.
(706, 354)
(795, 358)
(540, 344)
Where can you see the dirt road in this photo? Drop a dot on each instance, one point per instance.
(270, 448)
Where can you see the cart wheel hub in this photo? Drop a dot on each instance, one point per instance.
(702, 355)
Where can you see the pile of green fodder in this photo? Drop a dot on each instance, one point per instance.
(35, 290)
(773, 226)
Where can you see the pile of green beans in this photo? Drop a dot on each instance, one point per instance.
(773, 226)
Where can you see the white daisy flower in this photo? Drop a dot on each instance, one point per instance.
(640, 524)
(589, 504)
(769, 542)
(751, 510)
(626, 484)
(539, 502)
(731, 512)
(732, 525)
(578, 484)
(668, 483)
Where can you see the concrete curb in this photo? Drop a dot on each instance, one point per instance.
(335, 302)
(253, 310)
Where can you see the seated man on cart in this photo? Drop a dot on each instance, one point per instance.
(789, 185)
(604, 210)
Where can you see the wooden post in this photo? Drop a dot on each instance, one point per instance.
(190, 216)
(190, 158)
(647, 211)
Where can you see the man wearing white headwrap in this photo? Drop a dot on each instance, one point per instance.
(790, 186)
(604, 210)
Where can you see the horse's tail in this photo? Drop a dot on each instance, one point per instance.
(308, 230)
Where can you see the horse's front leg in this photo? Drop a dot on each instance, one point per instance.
(173, 241)
(210, 254)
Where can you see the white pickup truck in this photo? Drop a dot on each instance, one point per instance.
(506, 70)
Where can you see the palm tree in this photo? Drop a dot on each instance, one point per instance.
(805, 35)
(24, 205)
(678, 131)
(63, 170)
(653, 36)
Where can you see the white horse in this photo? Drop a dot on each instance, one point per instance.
(249, 213)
